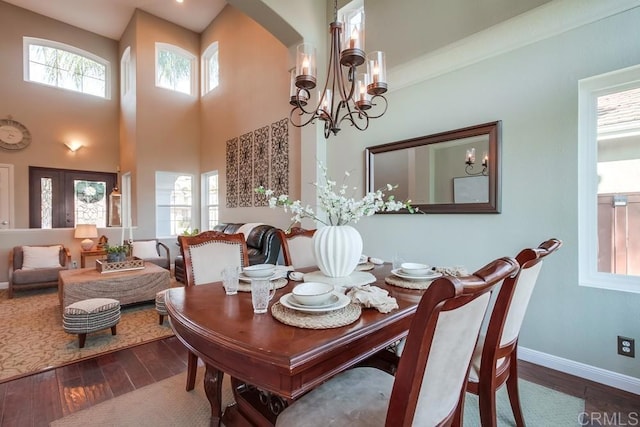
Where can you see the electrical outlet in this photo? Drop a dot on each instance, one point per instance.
(626, 346)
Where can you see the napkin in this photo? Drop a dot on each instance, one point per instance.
(456, 271)
(373, 296)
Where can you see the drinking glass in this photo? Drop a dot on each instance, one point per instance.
(230, 279)
(262, 291)
(397, 260)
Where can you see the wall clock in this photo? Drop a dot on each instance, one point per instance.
(13, 135)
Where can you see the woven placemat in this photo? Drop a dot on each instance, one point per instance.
(327, 320)
(279, 283)
(365, 266)
(407, 284)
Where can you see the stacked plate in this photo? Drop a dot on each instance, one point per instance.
(415, 271)
(314, 297)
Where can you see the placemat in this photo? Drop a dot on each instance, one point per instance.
(407, 284)
(279, 283)
(328, 320)
(365, 266)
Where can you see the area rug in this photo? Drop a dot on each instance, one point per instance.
(32, 338)
(165, 403)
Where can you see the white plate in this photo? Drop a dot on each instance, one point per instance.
(245, 278)
(333, 299)
(288, 301)
(398, 272)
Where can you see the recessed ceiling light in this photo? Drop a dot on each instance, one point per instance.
(180, 1)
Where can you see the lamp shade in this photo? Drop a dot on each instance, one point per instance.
(86, 232)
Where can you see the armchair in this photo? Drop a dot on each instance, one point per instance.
(33, 267)
(152, 251)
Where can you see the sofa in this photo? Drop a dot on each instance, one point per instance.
(263, 244)
(33, 267)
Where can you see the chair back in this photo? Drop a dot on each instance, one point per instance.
(208, 253)
(513, 298)
(297, 247)
(434, 365)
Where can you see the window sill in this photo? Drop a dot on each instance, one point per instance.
(621, 284)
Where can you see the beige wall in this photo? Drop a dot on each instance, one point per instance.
(54, 116)
(253, 90)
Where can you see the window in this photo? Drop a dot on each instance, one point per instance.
(125, 72)
(60, 198)
(175, 68)
(609, 180)
(174, 203)
(209, 200)
(66, 67)
(210, 68)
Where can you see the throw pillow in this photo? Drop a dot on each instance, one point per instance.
(40, 257)
(144, 250)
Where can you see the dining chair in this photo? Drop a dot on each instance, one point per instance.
(432, 370)
(494, 360)
(205, 256)
(297, 247)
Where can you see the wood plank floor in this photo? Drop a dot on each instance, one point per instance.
(38, 399)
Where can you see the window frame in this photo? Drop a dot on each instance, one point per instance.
(193, 207)
(209, 52)
(28, 41)
(193, 76)
(589, 90)
(204, 214)
(126, 72)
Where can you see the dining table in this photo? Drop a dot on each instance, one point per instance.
(272, 363)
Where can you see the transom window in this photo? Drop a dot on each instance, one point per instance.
(609, 167)
(57, 64)
(175, 68)
(210, 68)
(125, 72)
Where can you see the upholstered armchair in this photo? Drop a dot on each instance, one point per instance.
(32, 267)
(152, 251)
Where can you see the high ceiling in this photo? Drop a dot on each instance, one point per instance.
(109, 18)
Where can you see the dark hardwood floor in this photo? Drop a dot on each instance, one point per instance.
(38, 399)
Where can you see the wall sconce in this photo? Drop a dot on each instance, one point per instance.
(470, 161)
(74, 146)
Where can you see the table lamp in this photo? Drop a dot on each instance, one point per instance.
(86, 232)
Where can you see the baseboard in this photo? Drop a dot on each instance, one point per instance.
(4, 285)
(599, 375)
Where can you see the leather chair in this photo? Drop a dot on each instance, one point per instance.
(205, 256)
(495, 359)
(43, 274)
(432, 370)
(263, 245)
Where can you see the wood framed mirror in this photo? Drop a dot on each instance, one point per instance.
(449, 172)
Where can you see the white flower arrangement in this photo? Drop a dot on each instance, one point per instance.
(340, 209)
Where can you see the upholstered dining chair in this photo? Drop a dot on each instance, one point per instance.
(205, 256)
(494, 361)
(432, 370)
(297, 247)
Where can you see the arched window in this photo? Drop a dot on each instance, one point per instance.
(57, 64)
(175, 68)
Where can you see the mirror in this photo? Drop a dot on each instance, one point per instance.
(450, 172)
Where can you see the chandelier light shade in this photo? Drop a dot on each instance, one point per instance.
(86, 232)
(350, 93)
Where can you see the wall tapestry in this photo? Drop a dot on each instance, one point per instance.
(258, 158)
(232, 173)
(261, 163)
(245, 171)
(280, 157)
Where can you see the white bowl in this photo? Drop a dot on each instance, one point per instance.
(259, 270)
(312, 293)
(415, 269)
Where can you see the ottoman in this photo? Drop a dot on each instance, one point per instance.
(160, 307)
(91, 315)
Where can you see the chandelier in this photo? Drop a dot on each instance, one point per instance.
(347, 94)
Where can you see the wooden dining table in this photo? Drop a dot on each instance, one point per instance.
(266, 357)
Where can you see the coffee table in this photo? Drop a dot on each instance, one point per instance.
(128, 287)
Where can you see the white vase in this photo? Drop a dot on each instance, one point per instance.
(337, 250)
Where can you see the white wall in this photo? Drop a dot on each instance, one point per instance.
(533, 90)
